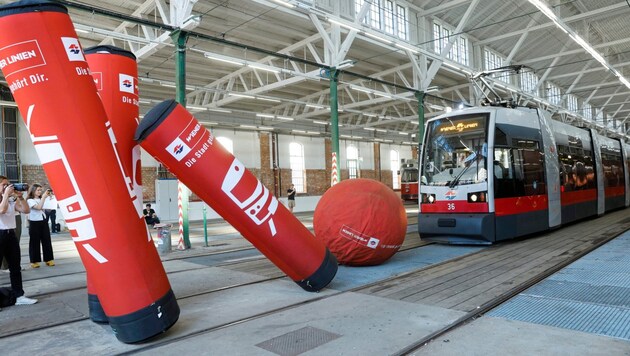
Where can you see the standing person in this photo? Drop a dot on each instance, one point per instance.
(291, 195)
(51, 215)
(150, 216)
(9, 246)
(18, 233)
(38, 230)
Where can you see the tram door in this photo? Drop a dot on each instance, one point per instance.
(520, 188)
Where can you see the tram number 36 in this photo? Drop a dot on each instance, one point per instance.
(450, 206)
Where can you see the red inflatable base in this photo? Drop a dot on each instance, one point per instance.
(362, 221)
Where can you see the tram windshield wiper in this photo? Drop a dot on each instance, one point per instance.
(468, 163)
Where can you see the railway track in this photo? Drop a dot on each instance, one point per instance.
(519, 264)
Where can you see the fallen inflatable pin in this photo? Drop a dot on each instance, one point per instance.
(174, 137)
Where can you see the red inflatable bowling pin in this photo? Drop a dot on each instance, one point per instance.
(45, 68)
(115, 74)
(173, 136)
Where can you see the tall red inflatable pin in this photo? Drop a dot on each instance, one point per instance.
(46, 71)
(115, 74)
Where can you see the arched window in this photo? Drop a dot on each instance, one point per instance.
(296, 160)
(226, 143)
(352, 160)
(394, 159)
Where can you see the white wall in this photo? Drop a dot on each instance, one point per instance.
(27, 153)
(404, 152)
(314, 151)
(246, 146)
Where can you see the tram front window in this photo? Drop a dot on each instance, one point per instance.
(455, 151)
(409, 176)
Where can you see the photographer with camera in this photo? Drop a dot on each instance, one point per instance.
(51, 215)
(38, 230)
(10, 201)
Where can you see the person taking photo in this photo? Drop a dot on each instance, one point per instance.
(10, 202)
(38, 230)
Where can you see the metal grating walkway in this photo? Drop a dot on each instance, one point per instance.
(591, 295)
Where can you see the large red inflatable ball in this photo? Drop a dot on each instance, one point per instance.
(362, 221)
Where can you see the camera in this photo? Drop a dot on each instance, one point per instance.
(20, 187)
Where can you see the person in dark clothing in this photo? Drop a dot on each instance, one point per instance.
(10, 201)
(51, 216)
(150, 216)
(291, 195)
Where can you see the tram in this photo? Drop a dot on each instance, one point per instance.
(495, 173)
(499, 171)
(408, 180)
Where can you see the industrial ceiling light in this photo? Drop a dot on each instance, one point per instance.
(346, 64)
(223, 59)
(220, 110)
(263, 67)
(284, 3)
(408, 48)
(361, 89)
(268, 99)
(380, 38)
(343, 24)
(242, 96)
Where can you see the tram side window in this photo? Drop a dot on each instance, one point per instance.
(613, 171)
(519, 170)
(576, 168)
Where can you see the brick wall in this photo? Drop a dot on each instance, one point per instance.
(34, 174)
(266, 174)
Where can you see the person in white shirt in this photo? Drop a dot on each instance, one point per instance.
(38, 229)
(10, 201)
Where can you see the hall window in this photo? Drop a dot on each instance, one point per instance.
(386, 16)
(529, 81)
(587, 111)
(394, 165)
(493, 60)
(227, 143)
(553, 94)
(352, 161)
(298, 171)
(572, 103)
(441, 37)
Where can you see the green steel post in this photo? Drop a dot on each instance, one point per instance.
(205, 225)
(179, 38)
(334, 127)
(420, 96)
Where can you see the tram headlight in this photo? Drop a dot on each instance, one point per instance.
(428, 198)
(477, 197)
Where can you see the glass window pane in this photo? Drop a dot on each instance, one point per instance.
(296, 161)
(226, 143)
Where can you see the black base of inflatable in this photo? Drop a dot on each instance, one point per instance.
(324, 274)
(97, 314)
(148, 322)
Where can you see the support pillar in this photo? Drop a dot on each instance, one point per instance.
(335, 176)
(180, 37)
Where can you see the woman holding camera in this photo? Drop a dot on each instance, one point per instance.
(38, 230)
